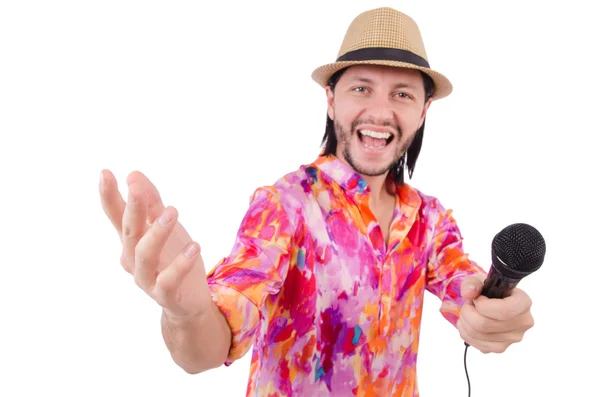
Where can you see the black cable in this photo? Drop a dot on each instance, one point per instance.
(466, 372)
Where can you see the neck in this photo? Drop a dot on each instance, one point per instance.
(382, 189)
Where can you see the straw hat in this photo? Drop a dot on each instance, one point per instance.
(384, 36)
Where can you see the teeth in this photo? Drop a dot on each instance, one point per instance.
(377, 135)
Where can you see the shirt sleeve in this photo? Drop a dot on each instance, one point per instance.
(256, 267)
(448, 266)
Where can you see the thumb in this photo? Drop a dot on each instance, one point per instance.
(471, 287)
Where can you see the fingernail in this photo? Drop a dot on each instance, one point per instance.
(472, 287)
(191, 250)
(101, 179)
(165, 218)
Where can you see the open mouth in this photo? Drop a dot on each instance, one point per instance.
(375, 140)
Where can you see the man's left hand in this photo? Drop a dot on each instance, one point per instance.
(492, 325)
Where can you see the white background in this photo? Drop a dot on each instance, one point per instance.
(212, 101)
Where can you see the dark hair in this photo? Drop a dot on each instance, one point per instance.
(408, 160)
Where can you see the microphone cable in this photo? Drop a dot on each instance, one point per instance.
(467, 372)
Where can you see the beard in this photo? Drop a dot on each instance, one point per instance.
(344, 140)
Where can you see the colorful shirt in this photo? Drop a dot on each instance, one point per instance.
(330, 309)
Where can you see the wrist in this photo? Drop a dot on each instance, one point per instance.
(182, 319)
(178, 320)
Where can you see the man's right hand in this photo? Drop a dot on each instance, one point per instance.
(157, 250)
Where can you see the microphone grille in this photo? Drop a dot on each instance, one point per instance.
(520, 249)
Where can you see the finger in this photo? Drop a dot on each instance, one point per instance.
(149, 248)
(112, 201)
(472, 286)
(503, 337)
(167, 289)
(470, 315)
(155, 204)
(483, 346)
(504, 309)
(134, 224)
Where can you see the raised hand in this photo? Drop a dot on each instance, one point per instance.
(157, 250)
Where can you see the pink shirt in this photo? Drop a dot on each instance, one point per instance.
(331, 310)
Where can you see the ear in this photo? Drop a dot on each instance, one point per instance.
(424, 113)
(330, 106)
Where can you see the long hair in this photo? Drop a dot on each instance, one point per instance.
(408, 159)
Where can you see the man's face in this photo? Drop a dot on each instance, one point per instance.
(376, 111)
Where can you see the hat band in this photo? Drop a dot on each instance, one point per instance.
(384, 54)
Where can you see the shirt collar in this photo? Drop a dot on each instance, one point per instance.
(355, 185)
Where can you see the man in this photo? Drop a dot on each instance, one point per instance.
(327, 275)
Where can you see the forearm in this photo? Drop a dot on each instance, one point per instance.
(200, 344)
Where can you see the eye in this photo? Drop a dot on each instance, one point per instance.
(360, 89)
(403, 95)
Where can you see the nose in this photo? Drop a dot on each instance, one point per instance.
(379, 109)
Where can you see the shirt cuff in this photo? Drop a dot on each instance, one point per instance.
(242, 317)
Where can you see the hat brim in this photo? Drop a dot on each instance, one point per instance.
(443, 87)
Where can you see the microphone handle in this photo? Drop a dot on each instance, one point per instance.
(497, 286)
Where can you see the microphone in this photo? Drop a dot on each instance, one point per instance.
(517, 251)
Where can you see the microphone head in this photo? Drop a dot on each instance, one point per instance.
(518, 250)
